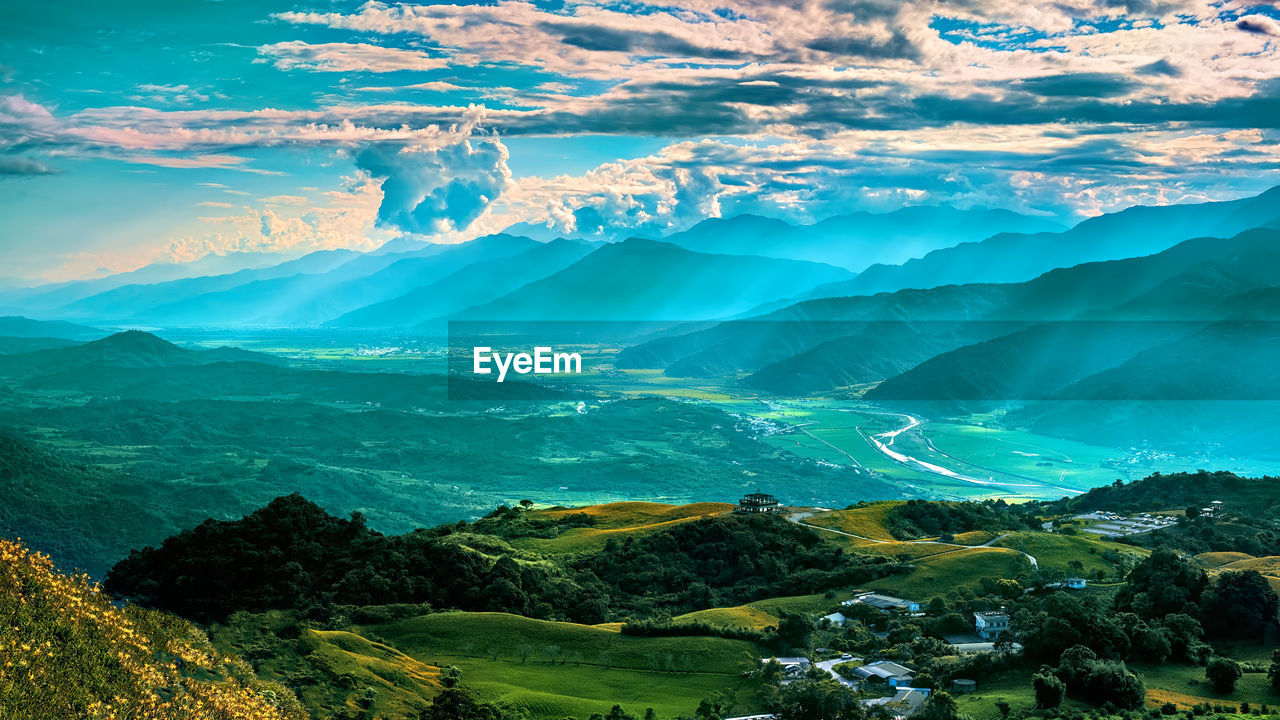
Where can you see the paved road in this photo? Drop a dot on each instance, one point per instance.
(830, 667)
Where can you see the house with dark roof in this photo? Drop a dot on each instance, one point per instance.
(758, 502)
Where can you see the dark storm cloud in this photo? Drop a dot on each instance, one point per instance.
(1161, 67)
(607, 39)
(898, 46)
(1081, 85)
(23, 167)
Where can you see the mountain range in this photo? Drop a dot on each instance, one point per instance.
(744, 266)
(858, 240)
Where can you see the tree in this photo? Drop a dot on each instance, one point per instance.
(1049, 690)
(1161, 584)
(1273, 672)
(939, 706)
(455, 703)
(1222, 674)
(1193, 512)
(1239, 605)
(1110, 681)
(810, 699)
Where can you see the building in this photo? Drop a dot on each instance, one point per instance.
(1076, 583)
(904, 704)
(964, 686)
(887, 603)
(836, 618)
(758, 502)
(990, 624)
(887, 672)
(792, 667)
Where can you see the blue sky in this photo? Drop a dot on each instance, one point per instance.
(137, 132)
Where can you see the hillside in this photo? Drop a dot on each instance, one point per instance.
(136, 300)
(648, 280)
(1004, 258)
(474, 284)
(307, 299)
(131, 349)
(972, 347)
(80, 655)
(859, 240)
(611, 521)
(15, 326)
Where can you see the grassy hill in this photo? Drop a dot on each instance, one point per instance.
(615, 521)
(561, 669)
(1059, 551)
(938, 575)
(869, 521)
(81, 655)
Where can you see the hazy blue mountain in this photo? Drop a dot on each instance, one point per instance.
(128, 349)
(1013, 257)
(309, 299)
(1213, 389)
(131, 301)
(1043, 360)
(819, 344)
(474, 284)
(859, 240)
(649, 280)
(19, 345)
(23, 327)
(48, 297)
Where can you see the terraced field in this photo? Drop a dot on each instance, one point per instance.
(561, 669)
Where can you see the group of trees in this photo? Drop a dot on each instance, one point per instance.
(293, 555)
(926, 518)
(1080, 673)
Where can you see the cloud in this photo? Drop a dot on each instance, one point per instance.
(347, 57)
(1259, 25)
(433, 189)
(23, 167)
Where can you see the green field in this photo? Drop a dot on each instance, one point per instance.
(1059, 551)
(938, 575)
(561, 669)
(1185, 685)
(615, 521)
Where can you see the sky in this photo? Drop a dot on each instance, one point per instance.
(140, 132)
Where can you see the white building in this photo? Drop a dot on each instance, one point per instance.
(990, 624)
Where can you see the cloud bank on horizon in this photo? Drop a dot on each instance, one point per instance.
(140, 131)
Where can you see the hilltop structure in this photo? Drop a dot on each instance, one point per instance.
(758, 502)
